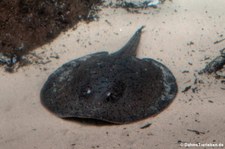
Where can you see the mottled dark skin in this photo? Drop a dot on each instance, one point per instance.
(117, 88)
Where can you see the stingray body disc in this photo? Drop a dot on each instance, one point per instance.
(117, 90)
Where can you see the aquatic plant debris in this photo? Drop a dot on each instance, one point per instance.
(153, 3)
(118, 88)
(216, 64)
(146, 126)
(28, 24)
(135, 3)
(141, 4)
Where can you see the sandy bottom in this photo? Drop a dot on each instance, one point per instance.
(195, 116)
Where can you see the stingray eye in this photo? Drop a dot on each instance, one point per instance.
(116, 92)
(85, 92)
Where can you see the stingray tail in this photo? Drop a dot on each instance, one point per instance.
(131, 46)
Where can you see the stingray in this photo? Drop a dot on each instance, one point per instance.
(117, 88)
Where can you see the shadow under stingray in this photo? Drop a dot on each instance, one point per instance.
(88, 121)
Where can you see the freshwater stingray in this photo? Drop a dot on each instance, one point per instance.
(117, 88)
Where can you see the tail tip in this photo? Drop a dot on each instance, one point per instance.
(140, 29)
